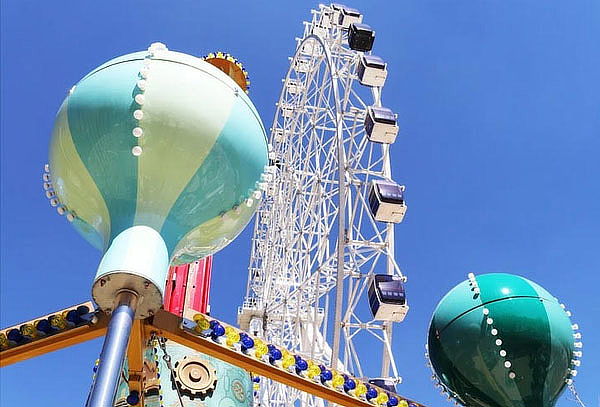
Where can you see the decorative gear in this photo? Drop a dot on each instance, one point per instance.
(195, 377)
(238, 390)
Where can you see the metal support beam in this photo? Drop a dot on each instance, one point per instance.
(107, 379)
(94, 327)
(135, 358)
(174, 328)
(119, 341)
(342, 236)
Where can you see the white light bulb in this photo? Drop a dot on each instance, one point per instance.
(257, 194)
(578, 344)
(61, 210)
(136, 151)
(54, 202)
(494, 331)
(502, 353)
(486, 311)
(50, 193)
(489, 321)
(573, 372)
(141, 84)
(47, 167)
(576, 362)
(471, 276)
(577, 335)
(138, 132)
(507, 364)
(575, 327)
(138, 114)
(512, 375)
(568, 313)
(578, 353)
(46, 177)
(47, 185)
(70, 217)
(569, 381)
(140, 99)
(249, 202)
(157, 46)
(498, 342)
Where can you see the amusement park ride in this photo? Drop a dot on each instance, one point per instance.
(322, 262)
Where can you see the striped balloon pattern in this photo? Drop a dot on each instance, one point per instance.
(500, 340)
(161, 139)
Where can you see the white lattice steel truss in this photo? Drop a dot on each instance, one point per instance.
(315, 244)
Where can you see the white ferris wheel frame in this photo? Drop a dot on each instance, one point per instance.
(315, 196)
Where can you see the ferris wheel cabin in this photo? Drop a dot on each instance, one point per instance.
(361, 37)
(380, 125)
(386, 201)
(345, 15)
(387, 298)
(372, 71)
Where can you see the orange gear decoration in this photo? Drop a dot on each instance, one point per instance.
(231, 66)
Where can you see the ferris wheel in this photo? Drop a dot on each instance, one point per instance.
(322, 273)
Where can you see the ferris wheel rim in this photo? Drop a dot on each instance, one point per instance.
(291, 68)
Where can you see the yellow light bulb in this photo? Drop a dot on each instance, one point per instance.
(260, 348)
(28, 330)
(287, 361)
(3, 341)
(256, 386)
(361, 389)
(58, 321)
(233, 336)
(313, 371)
(337, 380)
(382, 398)
(403, 403)
(202, 323)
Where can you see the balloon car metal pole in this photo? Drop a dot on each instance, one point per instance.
(105, 385)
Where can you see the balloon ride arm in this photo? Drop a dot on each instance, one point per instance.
(51, 332)
(78, 324)
(211, 341)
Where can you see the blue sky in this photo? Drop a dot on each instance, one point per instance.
(499, 108)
